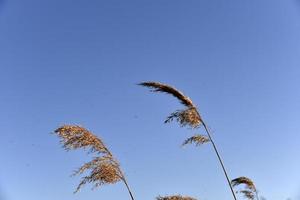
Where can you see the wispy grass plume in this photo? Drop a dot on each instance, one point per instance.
(196, 139)
(175, 197)
(104, 168)
(186, 117)
(249, 191)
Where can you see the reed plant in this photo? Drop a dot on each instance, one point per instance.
(103, 168)
(189, 116)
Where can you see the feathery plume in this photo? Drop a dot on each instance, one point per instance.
(104, 169)
(175, 197)
(248, 194)
(244, 180)
(250, 190)
(74, 137)
(159, 87)
(197, 139)
(187, 117)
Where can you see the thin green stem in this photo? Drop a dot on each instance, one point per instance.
(220, 160)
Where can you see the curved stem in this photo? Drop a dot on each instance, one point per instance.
(220, 160)
(122, 176)
(126, 184)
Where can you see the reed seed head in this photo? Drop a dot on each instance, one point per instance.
(187, 117)
(160, 87)
(196, 139)
(74, 137)
(250, 189)
(101, 172)
(248, 194)
(244, 180)
(103, 169)
(175, 197)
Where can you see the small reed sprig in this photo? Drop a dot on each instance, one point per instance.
(250, 191)
(196, 139)
(175, 197)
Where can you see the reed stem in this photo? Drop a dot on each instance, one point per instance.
(220, 159)
(127, 186)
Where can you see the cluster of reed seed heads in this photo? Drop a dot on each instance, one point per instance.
(104, 168)
(175, 197)
(186, 117)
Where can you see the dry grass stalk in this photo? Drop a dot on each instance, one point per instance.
(175, 197)
(196, 139)
(186, 117)
(250, 190)
(104, 168)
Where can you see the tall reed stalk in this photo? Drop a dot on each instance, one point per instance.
(104, 168)
(188, 117)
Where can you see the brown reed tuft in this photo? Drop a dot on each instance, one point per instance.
(244, 180)
(248, 194)
(74, 137)
(160, 87)
(250, 190)
(175, 197)
(187, 117)
(104, 168)
(197, 139)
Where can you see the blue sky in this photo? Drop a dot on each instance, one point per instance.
(78, 62)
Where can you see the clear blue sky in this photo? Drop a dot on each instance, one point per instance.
(75, 61)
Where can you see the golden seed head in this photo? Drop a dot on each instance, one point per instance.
(102, 169)
(196, 139)
(188, 117)
(250, 189)
(175, 197)
(244, 180)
